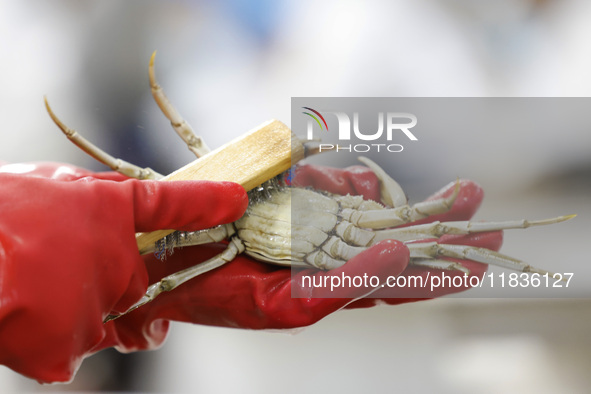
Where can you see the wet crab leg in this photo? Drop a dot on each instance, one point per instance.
(440, 265)
(437, 229)
(481, 255)
(193, 238)
(392, 217)
(119, 165)
(172, 281)
(370, 215)
(180, 125)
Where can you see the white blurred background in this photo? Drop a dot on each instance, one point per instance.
(232, 64)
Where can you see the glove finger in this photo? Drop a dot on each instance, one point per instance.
(359, 180)
(186, 205)
(465, 206)
(355, 180)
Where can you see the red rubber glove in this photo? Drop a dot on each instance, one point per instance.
(249, 294)
(68, 255)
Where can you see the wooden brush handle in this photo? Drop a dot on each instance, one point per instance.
(249, 160)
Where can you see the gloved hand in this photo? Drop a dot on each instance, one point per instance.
(68, 255)
(249, 294)
(245, 293)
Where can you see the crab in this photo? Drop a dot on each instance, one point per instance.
(301, 227)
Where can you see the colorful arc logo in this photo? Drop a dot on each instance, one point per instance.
(315, 118)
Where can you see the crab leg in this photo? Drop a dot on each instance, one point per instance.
(181, 238)
(392, 217)
(428, 250)
(440, 265)
(370, 215)
(182, 128)
(437, 229)
(121, 166)
(172, 281)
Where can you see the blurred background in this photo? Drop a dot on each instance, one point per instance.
(230, 65)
